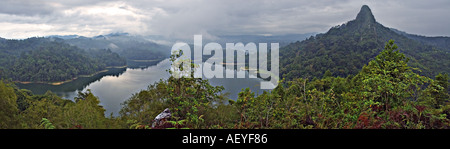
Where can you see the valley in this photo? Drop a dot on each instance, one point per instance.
(356, 75)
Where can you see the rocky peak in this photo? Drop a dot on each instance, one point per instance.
(365, 16)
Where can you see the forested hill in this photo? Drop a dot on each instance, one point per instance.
(127, 46)
(45, 60)
(440, 41)
(344, 49)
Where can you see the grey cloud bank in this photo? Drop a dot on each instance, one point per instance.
(184, 18)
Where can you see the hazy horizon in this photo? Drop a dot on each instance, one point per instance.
(179, 19)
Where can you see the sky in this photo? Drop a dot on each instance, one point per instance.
(182, 19)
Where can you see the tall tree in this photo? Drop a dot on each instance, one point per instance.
(389, 79)
(8, 106)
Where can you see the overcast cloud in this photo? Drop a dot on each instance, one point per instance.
(183, 18)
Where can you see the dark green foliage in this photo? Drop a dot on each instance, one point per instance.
(344, 49)
(327, 74)
(107, 57)
(441, 42)
(8, 106)
(384, 94)
(43, 60)
(344, 79)
(442, 80)
(388, 78)
(127, 46)
(53, 63)
(49, 111)
(190, 99)
(437, 93)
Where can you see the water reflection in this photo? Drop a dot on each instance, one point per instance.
(65, 89)
(117, 85)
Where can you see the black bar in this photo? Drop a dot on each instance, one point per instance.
(226, 137)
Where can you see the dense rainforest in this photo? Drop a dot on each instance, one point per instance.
(127, 46)
(386, 93)
(352, 77)
(344, 49)
(45, 60)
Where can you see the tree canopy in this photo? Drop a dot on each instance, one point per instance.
(385, 94)
(43, 60)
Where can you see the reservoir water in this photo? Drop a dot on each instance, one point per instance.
(119, 84)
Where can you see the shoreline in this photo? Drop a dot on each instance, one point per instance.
(70, 80)
(124, 66)
(143, 61)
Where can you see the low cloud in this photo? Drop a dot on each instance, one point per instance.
(181, 19)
